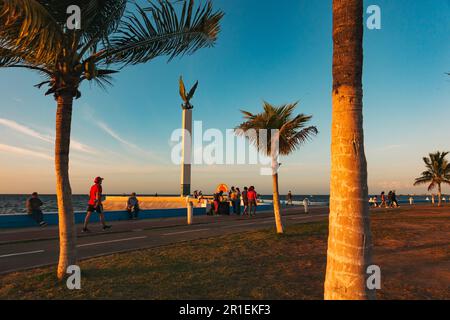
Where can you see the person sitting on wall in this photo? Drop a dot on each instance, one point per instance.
(34, 209)
(133, 206)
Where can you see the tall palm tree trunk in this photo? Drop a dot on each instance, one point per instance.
(67, 232)
(349, 241)
(276, 204)
(439, 195)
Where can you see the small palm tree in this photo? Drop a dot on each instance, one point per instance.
(35, 34)
(437, 173)
(283, 135)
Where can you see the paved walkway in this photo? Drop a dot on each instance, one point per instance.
(22, 249)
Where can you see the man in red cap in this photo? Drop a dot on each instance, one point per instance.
(95, 204)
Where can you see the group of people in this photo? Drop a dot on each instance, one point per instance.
(389, 201)
(34, 204)
(248, 197)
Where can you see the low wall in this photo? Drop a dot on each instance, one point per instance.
(24, 221)
(118, 203)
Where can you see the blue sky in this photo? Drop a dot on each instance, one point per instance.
(279, 51)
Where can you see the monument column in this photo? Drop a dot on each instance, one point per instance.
(187, 138)
(186, 153)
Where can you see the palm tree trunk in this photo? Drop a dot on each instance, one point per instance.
(276, 204)
(67, 232)
(439, 195)
(349, 240)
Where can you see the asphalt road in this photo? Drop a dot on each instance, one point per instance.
(22, 249)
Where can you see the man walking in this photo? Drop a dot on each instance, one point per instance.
(95, 204)
(238, 201)
(34, 209)
(289, 198)
(252, 200)
(245, 200)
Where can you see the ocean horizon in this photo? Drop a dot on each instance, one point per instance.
(15, 203)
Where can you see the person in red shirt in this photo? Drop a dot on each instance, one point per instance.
(252, 196)
(95, 204)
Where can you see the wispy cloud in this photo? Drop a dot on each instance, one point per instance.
(25, 152)
(25, 130)
(76, 145)
(116, 136)
(124, 142)
(391, 147)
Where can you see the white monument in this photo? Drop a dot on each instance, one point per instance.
(187, 138)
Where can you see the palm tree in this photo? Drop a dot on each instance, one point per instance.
(437, 173)
(276, 132)
(34, 34)
(349, 240)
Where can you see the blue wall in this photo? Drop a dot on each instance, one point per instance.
(24, 221)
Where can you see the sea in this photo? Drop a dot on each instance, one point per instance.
(15, 203)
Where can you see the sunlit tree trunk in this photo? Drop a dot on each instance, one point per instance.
(67, 231)
(349, 241)
(439, 195)
(276, 204)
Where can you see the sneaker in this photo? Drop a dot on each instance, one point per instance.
(85, 230)
(105, 227)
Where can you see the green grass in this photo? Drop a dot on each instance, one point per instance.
(410, 246)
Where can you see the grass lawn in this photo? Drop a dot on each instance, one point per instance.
(411, 247)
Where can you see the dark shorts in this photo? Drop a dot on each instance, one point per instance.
(98, 209)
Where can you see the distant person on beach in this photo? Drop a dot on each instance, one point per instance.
(133, 206)
(375, 202)
(389, 198)
(383, 200)
(245, 200)
(289, 198)
(306, 205)
(218, 198)
(235, 197)
(34, 205)
(411, 200)
(232, 198)
(238, 201)
(95, 204)
(252, 197)
(394, 201)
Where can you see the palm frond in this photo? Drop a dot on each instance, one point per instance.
(100, 19)
(277, 123)
(423, 180)
(438, 170)
(28, 28)
(159, 30)
(8, 58)
(294, 142)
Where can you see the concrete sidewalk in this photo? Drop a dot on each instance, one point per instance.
(51, 232)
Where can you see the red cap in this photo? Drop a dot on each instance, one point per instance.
(98, 179)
